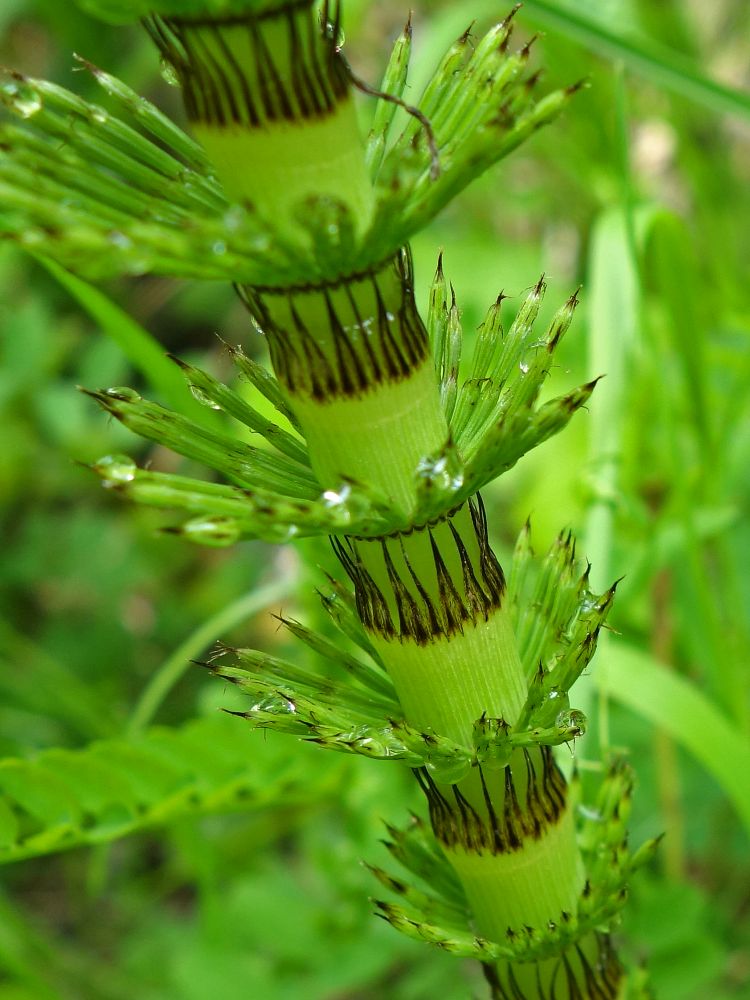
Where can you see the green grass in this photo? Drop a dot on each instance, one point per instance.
(640, 194)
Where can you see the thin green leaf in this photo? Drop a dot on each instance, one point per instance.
(393, 84)
(614, 306)
(673, 270)
(240, 462)
(173, 668)
(658, 694)
(143, 351)
(219, 396)
(655, 62)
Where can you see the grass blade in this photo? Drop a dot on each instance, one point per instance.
(657, 63)
(143, 351)
(641, 683)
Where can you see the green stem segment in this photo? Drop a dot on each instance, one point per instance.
(432, 602)
(354, 360)
(269, 99)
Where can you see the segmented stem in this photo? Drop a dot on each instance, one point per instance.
(269, 99)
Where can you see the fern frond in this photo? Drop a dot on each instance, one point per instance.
(61, 799)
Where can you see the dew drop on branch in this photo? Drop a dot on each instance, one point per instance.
(22, 99)
(200, 396)
(169, 73)
(115, 470)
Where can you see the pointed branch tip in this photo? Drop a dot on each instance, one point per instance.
(410, 109)
(525, 51)
(510, 15)
(285, 622)
(533, 80)
(464, 38)
(578, 85)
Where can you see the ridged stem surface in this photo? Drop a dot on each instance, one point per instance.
(270, 101)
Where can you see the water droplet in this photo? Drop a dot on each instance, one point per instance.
(203, 399)
(256, 325)
(219, 248)
(234, 217)
(524, 367)
(572, 721)
(169, 73)
(24, 100)
(552, 706)
(332, 498)
(588, 813)
(99, 115)
(123, 393)
(282, 533)
(116, 469)
(119, 239)
(444, 471)
(136, 267)
(214, 531)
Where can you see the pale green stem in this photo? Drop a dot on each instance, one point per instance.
(354, 363)
(173, 668)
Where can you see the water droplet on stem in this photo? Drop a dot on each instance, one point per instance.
(169, 73)
(200, 396)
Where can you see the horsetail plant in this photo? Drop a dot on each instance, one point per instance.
(463, 671)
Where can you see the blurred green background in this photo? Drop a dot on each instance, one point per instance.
(254, 887)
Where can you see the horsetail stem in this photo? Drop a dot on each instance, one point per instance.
(311, 224)
(352, 357)
(268, 98)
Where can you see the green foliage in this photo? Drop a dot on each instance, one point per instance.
(61, 799)
(174, 912)
(351, 705)
(138, 346)
(655, 60)
(439, 914)
(127, 193)
(680, 709)
(491, 410)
